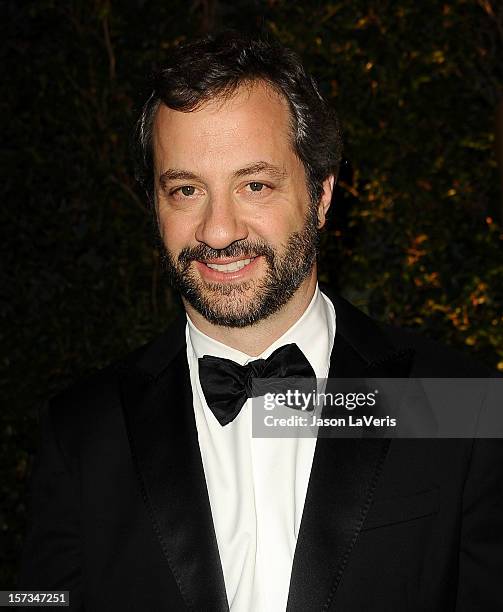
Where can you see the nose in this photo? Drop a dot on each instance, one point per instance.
(221, 223)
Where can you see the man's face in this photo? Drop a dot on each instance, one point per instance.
(238, 229)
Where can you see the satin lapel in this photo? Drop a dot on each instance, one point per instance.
(344, 474)
(343, 480)
(163, 437)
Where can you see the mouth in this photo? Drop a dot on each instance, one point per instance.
(228, 269)
(232, 266)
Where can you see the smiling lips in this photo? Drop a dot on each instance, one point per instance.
(234, 266)
(217, 271)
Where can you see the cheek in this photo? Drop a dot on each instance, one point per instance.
(279, 224)
(274, 232)
(176, 230)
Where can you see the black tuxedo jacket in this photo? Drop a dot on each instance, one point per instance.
(121, 516)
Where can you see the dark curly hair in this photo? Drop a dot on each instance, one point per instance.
(215, 66)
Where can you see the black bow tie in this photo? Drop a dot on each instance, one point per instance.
(227, 385)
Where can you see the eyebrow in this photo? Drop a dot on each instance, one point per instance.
(261, 166)
(171, 174)
(174, 174)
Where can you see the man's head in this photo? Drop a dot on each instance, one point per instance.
(238, 152)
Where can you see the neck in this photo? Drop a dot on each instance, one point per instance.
(255, 339)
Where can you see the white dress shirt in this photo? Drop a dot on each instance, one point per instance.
(257, 486)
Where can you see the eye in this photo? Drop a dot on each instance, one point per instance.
(187, 190)
(256, 186)
(184, 192)
(256, 189)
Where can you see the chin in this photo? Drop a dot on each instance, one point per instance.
(238, 306)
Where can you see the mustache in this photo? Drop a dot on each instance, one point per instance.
(241, 248)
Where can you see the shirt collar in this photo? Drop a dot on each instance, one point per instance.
(313, 333)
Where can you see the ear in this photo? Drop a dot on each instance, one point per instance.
(325, 200)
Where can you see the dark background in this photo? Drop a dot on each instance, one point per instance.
(415, 235)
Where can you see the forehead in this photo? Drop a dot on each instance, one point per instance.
(254, 123)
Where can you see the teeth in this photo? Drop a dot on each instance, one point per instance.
(231, 267)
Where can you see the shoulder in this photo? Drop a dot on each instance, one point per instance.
(98, 397)
(433, 358)
(374, 340)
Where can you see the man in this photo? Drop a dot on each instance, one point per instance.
(150, 492)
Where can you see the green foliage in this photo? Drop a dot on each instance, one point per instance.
(413, 237)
